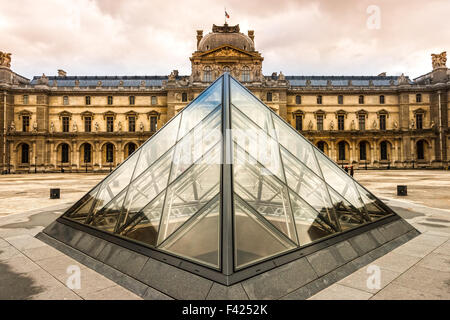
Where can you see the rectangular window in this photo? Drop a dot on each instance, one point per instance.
(132, 124)
(298, 100)
(340, 122)
(132, 100)
(65, 124)
(25, 123)
(87, 124)
(298, 122)
(65, 100)
(418, 98)
(25, 99)
(184, 97)
(110, 100)
(154, 101)
(361, 99)
(382, 122)
(269, 96)
(319, 99)
(153, 123)
(362, 122)
(381, 99)
(320, 122)
(88, 100)
(109, 124)
(419, 121)
(341, 99)
(362, 151)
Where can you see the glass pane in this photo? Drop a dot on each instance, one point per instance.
(250, 106)
(157, 145)
(143, 226)
(339, 180)
(308, 186)
(347, 215)
(82, 208)
(196, 143)
(375, 208)
(296, 144)
(117, 181)
(310, 224)
(145, 187)
(190, 192)
(256, 143)
(106, 219)
(201, 107)
(266, 194)
(255, 239)
(198, 239)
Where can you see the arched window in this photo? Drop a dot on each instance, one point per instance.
(361, 100)
(109, 152)
(321, 146)
(341, 147)
(363, 150)
(207, 74)
(298, 100)
(64, 153)
(87, 152)
(420, 150)
(383, 150)
(269, 96)
(25, 153)
(245, 74)
(131, 147)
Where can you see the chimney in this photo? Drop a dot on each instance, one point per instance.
(199, 36)
(251, 35)
(62, 73)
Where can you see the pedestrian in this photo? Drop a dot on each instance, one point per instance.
(346, 169)
(351, 171)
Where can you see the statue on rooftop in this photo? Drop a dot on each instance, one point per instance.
(5, 59)
(439, 60)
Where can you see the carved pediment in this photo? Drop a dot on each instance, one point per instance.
(65, 113)
(227, 51)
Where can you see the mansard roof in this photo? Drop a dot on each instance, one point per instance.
(337, 81)
(107, 81)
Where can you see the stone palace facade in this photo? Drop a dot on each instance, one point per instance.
(89, 123)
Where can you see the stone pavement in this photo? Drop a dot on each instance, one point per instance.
(30, 269)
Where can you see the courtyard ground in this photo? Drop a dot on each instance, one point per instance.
(30, 269)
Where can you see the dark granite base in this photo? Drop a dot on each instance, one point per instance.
(299, 279)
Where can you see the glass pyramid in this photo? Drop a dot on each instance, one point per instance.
(227, 184)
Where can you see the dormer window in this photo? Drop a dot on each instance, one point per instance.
(207, 74)
(245, 74)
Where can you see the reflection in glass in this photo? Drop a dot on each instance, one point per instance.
(264, 193)
(198, 238)
(310, 224)
(107, 218)
(81, 209)
(201, 107)
(375, 208)
(190, 192)
(254, 238)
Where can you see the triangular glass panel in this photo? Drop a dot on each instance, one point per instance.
(254, 238)
(347, 215)
(107, 218)
(143, 226)
(264, 193)
(81, 209)
(310, 224)
(199, 238)
(375, 208)
(203, 105)
(190, 192)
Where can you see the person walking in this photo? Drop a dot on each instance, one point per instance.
(351, 171)
(346, 169)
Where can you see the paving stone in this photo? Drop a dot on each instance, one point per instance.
(58, 266)
(427, 280)
(396, 262)
(278, 282)
(41, 253)
(3, 243)
(20, 264)
(9, 252)
(339, 292)
(443, 249)
(58, 293)
(396, 292)
(153, 294)
(429, 240)
(112, 293)
(24, 242)
(415, 250)
(358, 280)
(221, 292)
(174, 282)
(91, 282)
(436, 261)
(363, 243)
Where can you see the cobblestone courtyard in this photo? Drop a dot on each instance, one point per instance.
(29, 269)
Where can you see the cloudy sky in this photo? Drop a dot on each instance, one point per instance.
(143, 37)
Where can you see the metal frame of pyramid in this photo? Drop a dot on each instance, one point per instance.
(135, 206)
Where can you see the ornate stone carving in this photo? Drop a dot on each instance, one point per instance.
(332, 125)
(374, 124)
(395, 125)
(353, 125)
(52, 127)
(402, 79)
(43, 80)
(281, 77)
(412, 124)
(5, 59)
(121, 83)
(74, 127)
(96, 127)
(439, 60)
(77, 83)
(119, 126)
(99, 83)
(141, 127)
(432, 125)
(308, 83)
(173, 75)
(310, 125)
(35, 127)
(12, 127)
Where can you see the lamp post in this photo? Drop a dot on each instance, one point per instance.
(35, 164)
